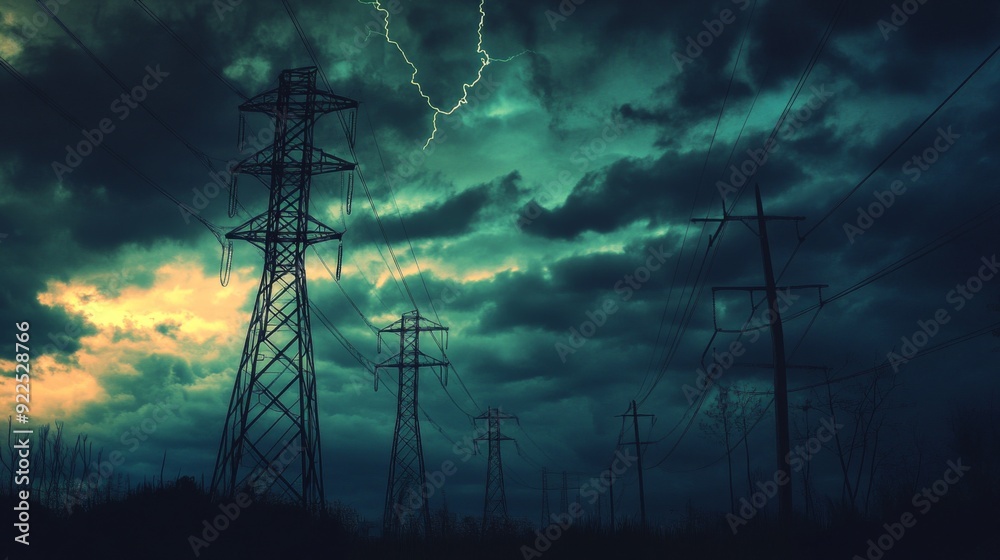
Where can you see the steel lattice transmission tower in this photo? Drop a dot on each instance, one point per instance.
(406, 509)
(564, 493)
(546, 512)
(271, 441)
(495, 503)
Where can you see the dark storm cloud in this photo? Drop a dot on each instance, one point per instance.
(623, 193)
(904, 45)
(452, 216)
(530, 303)
(560, 297)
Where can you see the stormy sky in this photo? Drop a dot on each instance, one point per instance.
(549, 217)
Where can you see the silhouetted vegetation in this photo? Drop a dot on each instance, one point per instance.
(158, 520)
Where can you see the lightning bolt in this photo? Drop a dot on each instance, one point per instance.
(484, 60)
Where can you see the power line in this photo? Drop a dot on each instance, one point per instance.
(696, 293)
(413, 253)
(801, 238)
(898, 147)
(343, 291)
(205, 159)
(324, 320)
(729, 450)
(909, 136)
(369, 365)
(378, 219)
(239, 93)
(983, 331)
(192, 51)
(39, 94)
(965, 227)
(888, 270)
(202, 156)
(694, 202)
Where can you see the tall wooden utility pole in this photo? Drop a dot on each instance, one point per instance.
(778, 347)
(638, 452)
(780, 373)
(611, 496)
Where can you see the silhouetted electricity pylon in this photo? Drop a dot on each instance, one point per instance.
(404, 494)
(270, 441)
(546, 512)
(564, 493)
(495, 504)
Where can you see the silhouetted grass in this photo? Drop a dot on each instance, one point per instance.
(155, 522)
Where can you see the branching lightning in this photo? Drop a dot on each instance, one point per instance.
(484, 60)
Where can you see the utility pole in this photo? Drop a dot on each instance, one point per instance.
(611, 496)
(495, 502)
(270, 440)
(403, 492)
(599, 518)
(638, 452)
(780, 373)
(777, 344)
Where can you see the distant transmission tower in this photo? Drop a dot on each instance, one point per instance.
(564, 494)
(403, 495)
(495, 504)
(546, 512)
(270, 441)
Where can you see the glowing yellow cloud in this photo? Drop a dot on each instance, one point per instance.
(184, 313)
